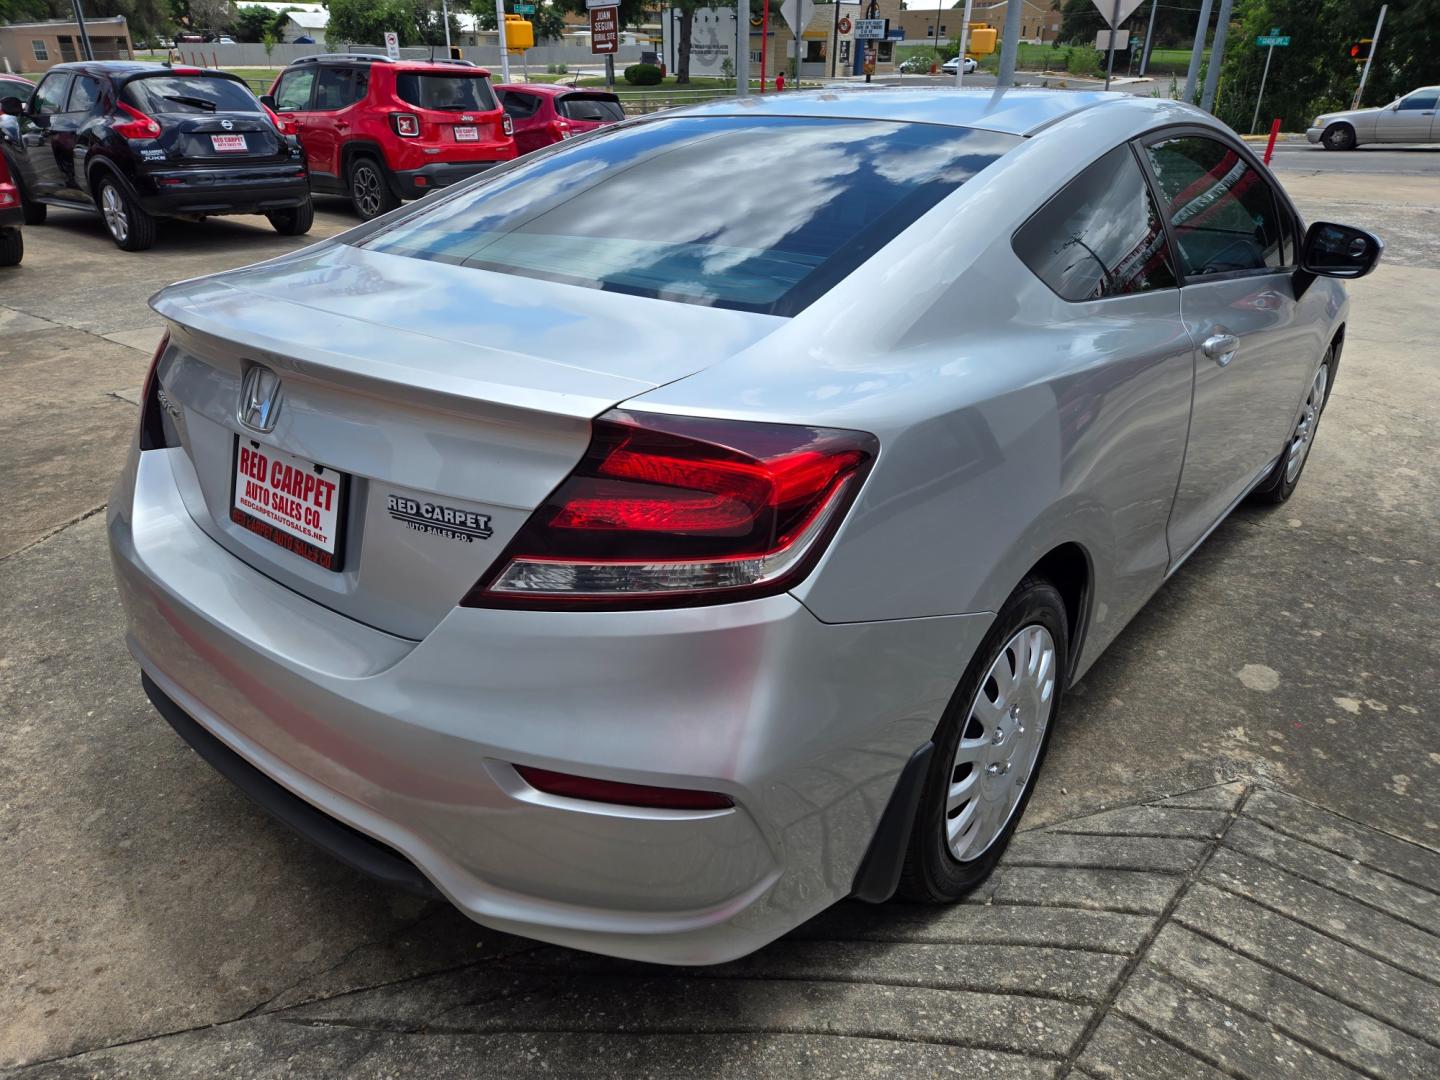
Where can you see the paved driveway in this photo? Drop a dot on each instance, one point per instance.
(1257, 897)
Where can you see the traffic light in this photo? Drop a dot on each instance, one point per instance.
(1360, 51)
(981, 40)
(519, 34)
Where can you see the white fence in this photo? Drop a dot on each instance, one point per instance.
(242, 56)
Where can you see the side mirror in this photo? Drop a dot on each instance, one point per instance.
(268, 100)
(1339, 251)
(12, 106)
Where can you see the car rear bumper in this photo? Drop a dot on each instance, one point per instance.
(806, 726)
(222, 191)
(414, 183)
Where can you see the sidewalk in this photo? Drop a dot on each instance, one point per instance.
(1229, 931)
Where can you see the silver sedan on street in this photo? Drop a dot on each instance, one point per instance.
(1414, 118)
(678, 530)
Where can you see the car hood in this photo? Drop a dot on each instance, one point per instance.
(461, 331)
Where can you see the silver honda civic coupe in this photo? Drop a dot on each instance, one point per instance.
(669, 534)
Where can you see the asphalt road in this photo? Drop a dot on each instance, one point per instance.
(1379, 160)
(1295, 652)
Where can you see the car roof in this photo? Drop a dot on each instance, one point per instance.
(431, 67)
(554, 89)
(122, 70)
(1014, 112)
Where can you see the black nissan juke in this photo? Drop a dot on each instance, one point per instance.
(136, 141)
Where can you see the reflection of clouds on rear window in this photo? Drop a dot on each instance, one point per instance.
(759, 214)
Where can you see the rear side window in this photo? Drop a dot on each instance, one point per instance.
(460, 93)
(1100, 235)
(341, 87)
(1220, 207)
(638, 212)
(189, 94)
(84, 93)
(590, 107)
(520, 106)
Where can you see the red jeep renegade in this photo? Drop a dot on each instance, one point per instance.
(380, 130)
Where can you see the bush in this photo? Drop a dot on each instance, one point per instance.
(917, 65)
(643, 75)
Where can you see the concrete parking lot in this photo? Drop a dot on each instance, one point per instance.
(1231, 866)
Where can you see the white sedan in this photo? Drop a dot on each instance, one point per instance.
(970, 65)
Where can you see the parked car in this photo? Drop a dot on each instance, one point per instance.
(950, 66)
(381, 131)
(1414, 118)
(12, 243)
(16, 86)
(543, 113)
(658, 650)
(134, 142)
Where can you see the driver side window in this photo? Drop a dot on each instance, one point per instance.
(49, 96)
(1220, 207)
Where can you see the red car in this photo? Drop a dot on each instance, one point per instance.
(545, 114)
(12, 246)
(380, 130)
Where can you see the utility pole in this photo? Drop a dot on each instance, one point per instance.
(1197, 53)
(964, 38)
(1217, 54)
(834, 40)
(742, 48)
(1374, 44)
(1149, 33)
(500, 37)
(1010, 46)
(445, 16)
(1110, 59)
(938, 10)
(84, 34)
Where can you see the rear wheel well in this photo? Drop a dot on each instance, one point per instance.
(1067, 567)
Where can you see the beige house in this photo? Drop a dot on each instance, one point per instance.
(38, 46)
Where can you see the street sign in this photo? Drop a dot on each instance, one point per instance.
(866, 29)
(797, 15)
(605, 29)
(1271, 40)
(1122, 40)
(392, 44)
(524, 9)
(1108, 11)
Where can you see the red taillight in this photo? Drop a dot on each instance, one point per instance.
(406, 124)
(506, 124)
(153, 435)
(561, 129)
(665, 511)
(611, 791)
(285, 127)
(138, 126)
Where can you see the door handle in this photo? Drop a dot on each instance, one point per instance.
(1221, 348)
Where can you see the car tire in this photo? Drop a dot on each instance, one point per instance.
(295, 221)
(12, 247)
(1280, 484)
(131, 227)
(1338, 137)
(991, 743)
(370, 191)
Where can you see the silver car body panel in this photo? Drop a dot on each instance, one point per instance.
(1010, 423)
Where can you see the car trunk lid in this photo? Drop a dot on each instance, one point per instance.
(445, 402)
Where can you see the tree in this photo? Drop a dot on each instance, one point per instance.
(548, 20)
(1315, 74)
(252, 23)
(364, 22)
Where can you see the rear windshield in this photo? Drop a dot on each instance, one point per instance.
(462, 93)
(753, 213)
(590, 107)
(156, 94)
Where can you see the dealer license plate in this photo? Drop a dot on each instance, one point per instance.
(228, 143)
(467, 134)
(290, 501)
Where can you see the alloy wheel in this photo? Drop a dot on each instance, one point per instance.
(365, 186)
(1304, 436)
(112, 206)
(995, 757)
